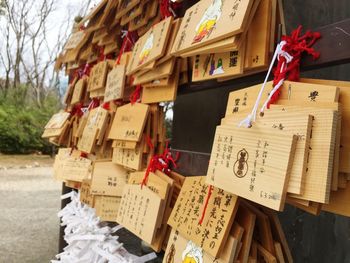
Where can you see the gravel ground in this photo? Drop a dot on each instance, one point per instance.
(29, 227)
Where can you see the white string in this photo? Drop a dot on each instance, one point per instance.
(247, 122)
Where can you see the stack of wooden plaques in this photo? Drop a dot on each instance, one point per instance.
(138, 132)
(223, 52)
(145, 210)
(152, 65)
(100, 32)
(57, 128)
(315, 111)
(70, 167)
(232, 230)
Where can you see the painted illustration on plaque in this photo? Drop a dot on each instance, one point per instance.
(216, 68)
(192, 254)
(240, 168)
(146, 50)
(208, 21)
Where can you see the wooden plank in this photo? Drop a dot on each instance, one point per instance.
(333, 45)
(268, 257)
(263, 228)
(339, 202)
(278, 233)
(246, 219)
(279, 252)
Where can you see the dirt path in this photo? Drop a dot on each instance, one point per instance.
(29, 202)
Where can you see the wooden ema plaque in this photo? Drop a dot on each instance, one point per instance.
(218, 65)
(253, 163)
(98, 76)
(79, 90)
(320, 164)
(115, 84)
(344, 99)
(206, 22)
(162, 185)
(57, 120)
(75, 169)
(130, 158)
(296, 123)
(85, 195)
(108, 179)
(244, 99)
(74, 40)
(246, 219)
(151, 46)
(94, 127)
(50, 133)
(213, 233)
(63, 153)
(161, 71)
(107, 207)
(139, 211)
(258, 37)
(162, 93)
(129, 122)
(180, 249)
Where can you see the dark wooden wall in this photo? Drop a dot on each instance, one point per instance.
(325, 238)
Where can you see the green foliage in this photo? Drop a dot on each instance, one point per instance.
(22, 123)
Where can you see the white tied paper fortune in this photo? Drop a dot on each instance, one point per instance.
(88, 242)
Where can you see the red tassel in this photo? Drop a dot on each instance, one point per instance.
(296, 45)
(77, 110)
(210, 191)
(159, 162)
(127, 45)
(94, 104)
(106, 106)
(136, 95)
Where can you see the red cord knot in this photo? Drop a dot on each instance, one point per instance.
(295, 45)
(136, 95)
(162, 162)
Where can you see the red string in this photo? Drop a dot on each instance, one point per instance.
(136, 95)
(102, 56)
(127, 45)
(87, 69)
(159, 162)
(77, 110)
(94, 104)
(168, 8)
(106, 106)
(296, 45)
(210, 191)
